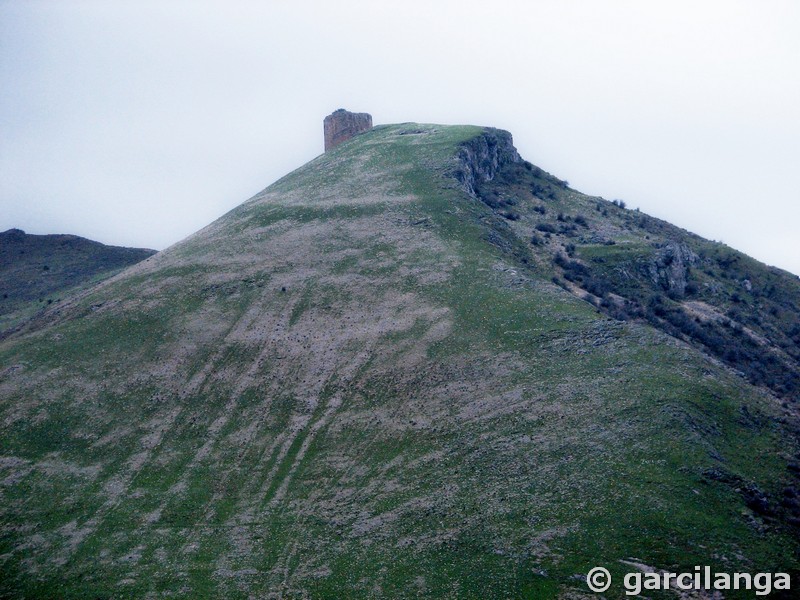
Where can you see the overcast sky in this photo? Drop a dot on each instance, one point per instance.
(137, 123)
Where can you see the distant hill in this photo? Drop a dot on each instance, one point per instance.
(40, 268)
(416, 367)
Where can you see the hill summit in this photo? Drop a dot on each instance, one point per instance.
(417, 366)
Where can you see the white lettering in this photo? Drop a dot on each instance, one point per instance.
(722, 581)
(782, 581)
(763, 583)
(635, 588)
(652, 581)
(681, 581)
(741, 576)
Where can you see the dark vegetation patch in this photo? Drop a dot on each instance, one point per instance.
(727, 337)
(781, 506)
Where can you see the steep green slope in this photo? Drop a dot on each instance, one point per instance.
(39, 269)
(363, 383)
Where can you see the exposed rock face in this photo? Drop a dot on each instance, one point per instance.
(341, 125)
(482, 157)
(670, 268)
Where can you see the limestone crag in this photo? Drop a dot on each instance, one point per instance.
(341, 125)
(670, 267)
(482, 157)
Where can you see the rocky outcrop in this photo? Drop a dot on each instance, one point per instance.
(669, 269)
(482, 157)
(341, 125)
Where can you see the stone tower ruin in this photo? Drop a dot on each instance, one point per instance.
(341, 125)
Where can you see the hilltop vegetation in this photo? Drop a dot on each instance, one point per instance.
(417, 366)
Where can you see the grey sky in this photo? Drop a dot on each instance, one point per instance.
(138, 123)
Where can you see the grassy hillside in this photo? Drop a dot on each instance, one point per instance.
(37, 270)
(371, 380)
(633, 266)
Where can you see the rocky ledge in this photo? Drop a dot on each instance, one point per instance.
(482, 157)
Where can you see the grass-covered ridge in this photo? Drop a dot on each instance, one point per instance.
(38, 270)
(363, 382)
